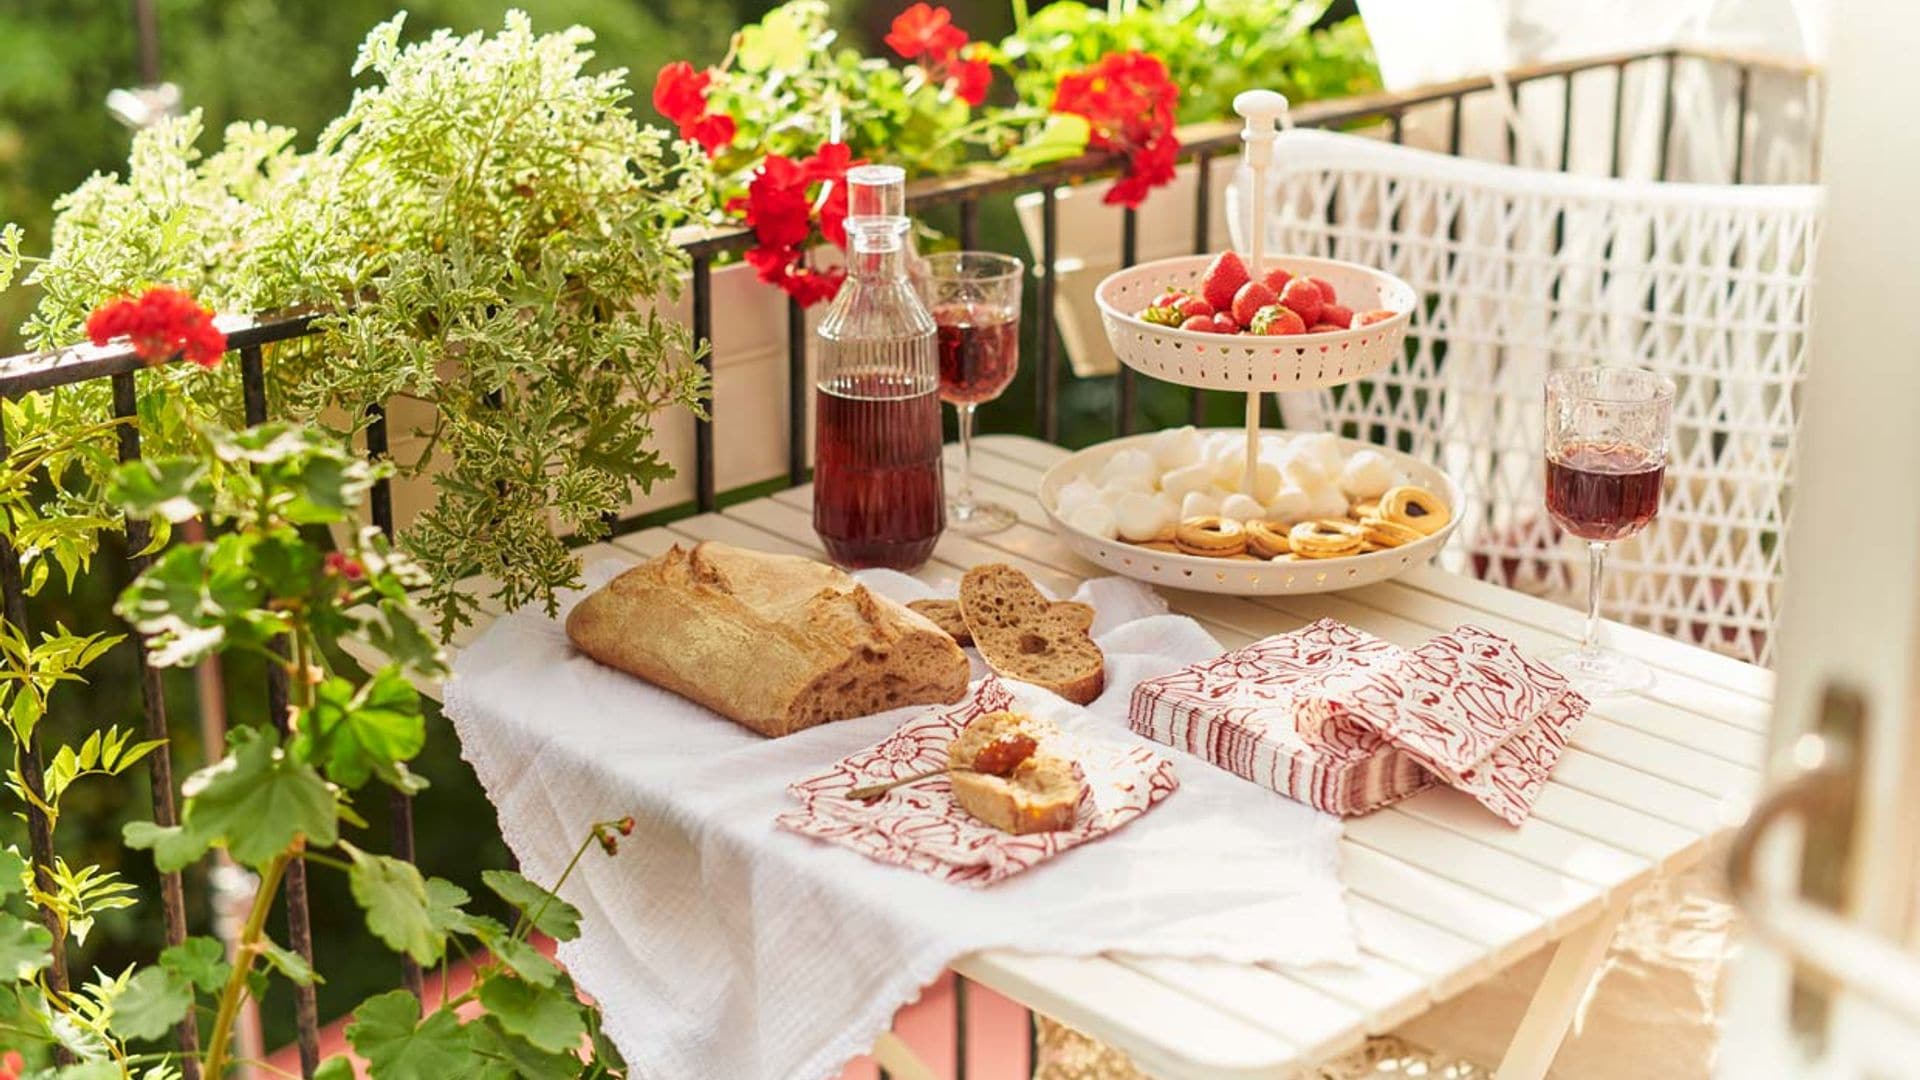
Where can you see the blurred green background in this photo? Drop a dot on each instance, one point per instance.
(287, 62)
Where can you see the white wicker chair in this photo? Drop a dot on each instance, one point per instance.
(1527, 271)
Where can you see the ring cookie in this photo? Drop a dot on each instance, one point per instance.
(1212, 536)
(1416, 508)
(1326, 538)
(1388, 534)
(1267, 539)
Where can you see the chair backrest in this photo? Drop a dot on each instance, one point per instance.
(1523, 272)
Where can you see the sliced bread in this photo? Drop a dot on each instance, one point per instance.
(1021, 636)
(1030, 790)
(945, 614)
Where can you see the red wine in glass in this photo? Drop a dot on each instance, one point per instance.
(878, 495)
(979, 351)
(1603, 491)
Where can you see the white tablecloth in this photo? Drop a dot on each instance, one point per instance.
(720, 946)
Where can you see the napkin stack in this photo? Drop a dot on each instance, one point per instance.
(1345, 722)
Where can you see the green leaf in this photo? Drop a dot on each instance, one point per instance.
(175, 488)
(394, 896)
(153, 1002)
(173, 847)
(13, 873)
(1064, 135)
(549, 914)
(781, 41)
(337, 1067)
(90, 1070)
(289, 963)
(524, 960)
(260, 800)
(500, 1056)
(547, 1017)
(388, 1032)
(355, 735)
(201, 961)
(25, 948)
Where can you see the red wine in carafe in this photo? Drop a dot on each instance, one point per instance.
(1603, 491)
(979, 351)
(878, 496)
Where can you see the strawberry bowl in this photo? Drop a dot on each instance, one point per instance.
(1254, 362)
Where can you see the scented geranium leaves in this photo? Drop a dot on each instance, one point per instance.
(25, 948)
(548, 1017)
(201, 961)
(354, 734)
(387, 1031)
(153, 1001)
(199, 599)
(173, 489)
(548, 913)
(394, 896)
(257, 801)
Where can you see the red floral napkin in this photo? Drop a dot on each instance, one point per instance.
(921, 827)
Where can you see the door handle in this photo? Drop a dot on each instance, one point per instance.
(1817, 938)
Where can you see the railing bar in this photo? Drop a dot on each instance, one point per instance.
(797, 393)
(153, 703)
(306, 1011)
(399, 803)
(1033, 1042)
(1745, 98)
(1128, 390)
(969, 224)
(959, 1026)
(1666, 118)
(1047, 388)
(1454, 124)
(1397, 122)
(1202, 244)
(32, 769)
(703, 479)
(1566, 125)
(1619, 116)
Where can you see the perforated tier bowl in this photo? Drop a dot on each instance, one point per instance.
(1249, 361)
(1239, 577)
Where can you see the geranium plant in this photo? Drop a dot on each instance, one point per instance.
(787, 99)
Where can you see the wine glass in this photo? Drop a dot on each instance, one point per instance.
(1607, 434)
(975, 300)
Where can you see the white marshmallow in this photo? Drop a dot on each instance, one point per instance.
(1241, 508)
(1175, 447)
(1169, 504)
(1291, 505)
(1120, 485)
(1140, 517)
(1126, 465)
(1367, 474)
(1077, 493)
(1324, 448)
(1303, 470)
(1328, 501)
(1224, 444)
(1095, 518)
(1199, 504)
(1231, 476)
(1197, 476)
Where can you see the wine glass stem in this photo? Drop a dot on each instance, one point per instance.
(966, 453)
(1598, 552)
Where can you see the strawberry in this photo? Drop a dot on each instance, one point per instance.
(1326, 289)
(1224, 323)
(1251, 298)
(1193, 305)
(1171, 298)
(1276, 279)
(1339, 315)
(1324, 328)
(1223, 278)
(1368, 318)
(1274, 319)
(1199, 323)
(1303, 296)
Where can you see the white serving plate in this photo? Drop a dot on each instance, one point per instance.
(1248, 361)
(1237, 577)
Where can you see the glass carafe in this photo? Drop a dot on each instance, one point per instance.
(877, 493)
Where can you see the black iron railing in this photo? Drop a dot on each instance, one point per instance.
(965, 192)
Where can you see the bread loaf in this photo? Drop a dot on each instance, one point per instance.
(946, 615)
(775, 642)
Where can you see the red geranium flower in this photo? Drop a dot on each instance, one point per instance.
(784, 200)
(1129, 103)
(922, 30)
(680, 93)
(162, 322)
(970, 79)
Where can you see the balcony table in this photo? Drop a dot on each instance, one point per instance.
(1443, 894)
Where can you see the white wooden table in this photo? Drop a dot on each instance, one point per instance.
(1443, 894)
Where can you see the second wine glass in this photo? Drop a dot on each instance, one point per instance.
(975, 300)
